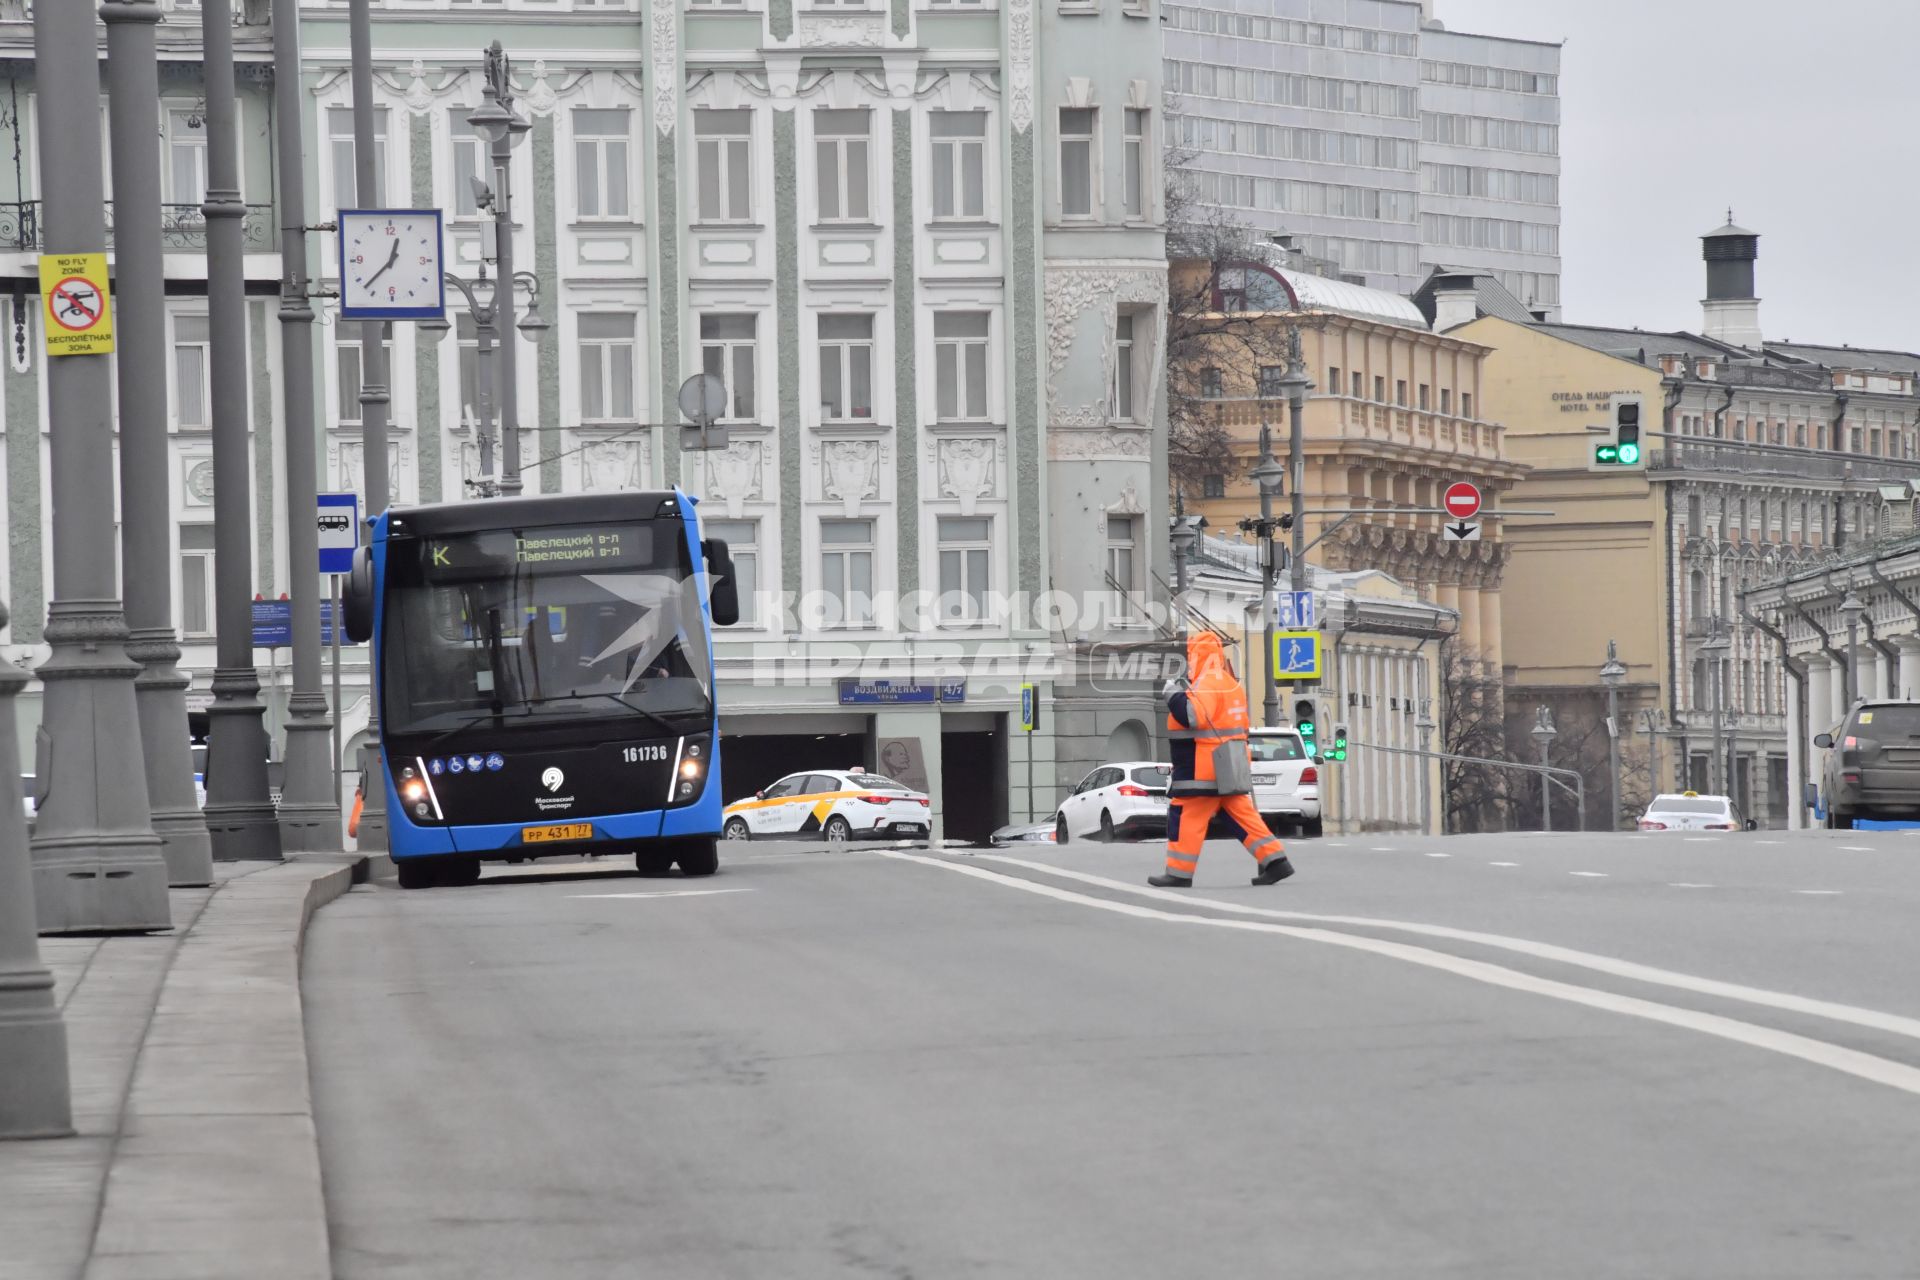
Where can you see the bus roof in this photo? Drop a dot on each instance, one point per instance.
(541, 509)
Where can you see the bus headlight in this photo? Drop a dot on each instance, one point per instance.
(414, 789)
(691, 768)
(420, 810)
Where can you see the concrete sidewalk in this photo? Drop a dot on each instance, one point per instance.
(196, 1157)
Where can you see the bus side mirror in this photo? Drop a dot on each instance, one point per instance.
(356, 601)
(723, 599)
(1822, 739)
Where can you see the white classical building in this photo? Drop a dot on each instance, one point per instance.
(920, 240)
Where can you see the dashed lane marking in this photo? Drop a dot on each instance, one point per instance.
(1598, 875)
(1381, 848)
(1853, 1015)
(662, 893)
(1439, 855)
(1866, 1066)
(1503, 864)
(1820, 893)
(1688, 884)
(1857, 848)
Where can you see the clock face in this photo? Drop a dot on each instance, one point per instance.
(390, 264)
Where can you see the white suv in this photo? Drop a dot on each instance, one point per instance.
(1286, 785)
(1125, 801)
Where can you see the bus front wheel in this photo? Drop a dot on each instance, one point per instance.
(699, 857)
(415, 873)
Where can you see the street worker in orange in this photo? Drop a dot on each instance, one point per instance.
(1212, 770)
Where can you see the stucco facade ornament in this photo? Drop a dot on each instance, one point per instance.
(733, 476)
(540, 97)
(609, 466)
(662, 20)
(862, 32)
(1019, 19)
(348, 466)
(1106, 444)
(849, 471)
(1073, 290)
(966, 470)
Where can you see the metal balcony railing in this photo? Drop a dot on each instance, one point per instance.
(182, 226)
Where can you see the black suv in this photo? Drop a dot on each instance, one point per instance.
(1873, 766)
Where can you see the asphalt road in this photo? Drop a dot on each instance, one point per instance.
(1504, 1057)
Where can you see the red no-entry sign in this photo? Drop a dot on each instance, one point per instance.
(1462, 500)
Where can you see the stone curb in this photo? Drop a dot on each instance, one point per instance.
(216, 1170)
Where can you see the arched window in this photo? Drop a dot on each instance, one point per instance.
(1697, 595)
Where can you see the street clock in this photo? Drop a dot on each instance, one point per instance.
(391, 266)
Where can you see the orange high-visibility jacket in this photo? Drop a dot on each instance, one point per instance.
(1211, 710)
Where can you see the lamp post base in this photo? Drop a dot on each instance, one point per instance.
(309, 816)
(160, 693)
(240, 816)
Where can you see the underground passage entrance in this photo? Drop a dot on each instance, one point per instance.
(751, 762)
(973, 780)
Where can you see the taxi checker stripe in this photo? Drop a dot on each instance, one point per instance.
(750, 803)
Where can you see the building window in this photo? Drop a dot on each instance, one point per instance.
(1359, 385)
(1123, 559)
(959, 163)
(1212, 384)
(1077, 140)
(196, 580)
(1466, 405)
(601, 186)
(467, 344)
(1400, 392)
(190, 338)
(1423, 397)
(1134, 148)
(1696, 517)
(186, 159)
(1272, 381)
(1333, 380)
(470, 162)
(960, 365)
(846, 571)
(723, 154)
(743, 544)
(606, 368)
(1213, 485)
(340, 147)
(727, 351)
(846, 368)
(1380, 389)
(1446, 401)
(841, 149)
(966, 575)
(1123, 371)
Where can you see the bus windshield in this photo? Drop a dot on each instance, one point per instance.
(536, 626)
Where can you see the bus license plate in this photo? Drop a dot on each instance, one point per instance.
(564, 831)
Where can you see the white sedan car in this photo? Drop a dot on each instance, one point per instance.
(830, 804)
(1691, 811)
(1125, 801)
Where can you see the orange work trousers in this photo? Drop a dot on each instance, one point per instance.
(1188, 818)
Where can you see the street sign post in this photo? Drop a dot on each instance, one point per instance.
(78, 309)
(1296, 655)
(1460, 531)
(339, 526)
(1462, 500)
(1295, 612)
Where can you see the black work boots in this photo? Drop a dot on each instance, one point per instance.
(1170, 882)
(1275, 870)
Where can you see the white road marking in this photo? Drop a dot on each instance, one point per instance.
(1866, 1066)
(1687, 884)
(1893, 1023)
(1857, 848)
(1702, 839)
(1381, 848)
(1439, 855)
(1820, 893)
(1766, 842)
(1600, 875)
(1503, 864)
(662, 893)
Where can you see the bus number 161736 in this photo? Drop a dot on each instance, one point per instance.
(652, 751)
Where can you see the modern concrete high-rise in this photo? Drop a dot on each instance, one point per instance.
(1370, 136)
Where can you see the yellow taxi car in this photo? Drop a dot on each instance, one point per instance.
(831, 804)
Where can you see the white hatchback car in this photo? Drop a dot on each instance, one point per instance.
(832, 804)
(1691, 811)
(1286, 782)
(1125, 801)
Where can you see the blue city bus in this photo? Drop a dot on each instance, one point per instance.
(544, 674)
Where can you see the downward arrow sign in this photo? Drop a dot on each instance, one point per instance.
(1461, 530)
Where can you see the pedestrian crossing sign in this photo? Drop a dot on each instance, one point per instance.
(1296, 655)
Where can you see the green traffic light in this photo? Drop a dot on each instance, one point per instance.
(1608, 454)
(1628, 454)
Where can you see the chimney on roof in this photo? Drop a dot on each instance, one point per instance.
(1732, 311)
(1456, 301)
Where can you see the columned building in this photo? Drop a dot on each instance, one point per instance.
(920, 242)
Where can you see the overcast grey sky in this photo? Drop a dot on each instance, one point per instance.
(1803, 116)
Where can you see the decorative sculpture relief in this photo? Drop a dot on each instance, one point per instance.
(610, 466)
(1019, 19)
(1073, 290)
(540, 97)
(665, 14)
(849, 471)
(199, 482)
(842, 33)
(733, 475)
(1108, 444)
(966, 470)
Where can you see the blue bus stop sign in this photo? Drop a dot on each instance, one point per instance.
(339, 517)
